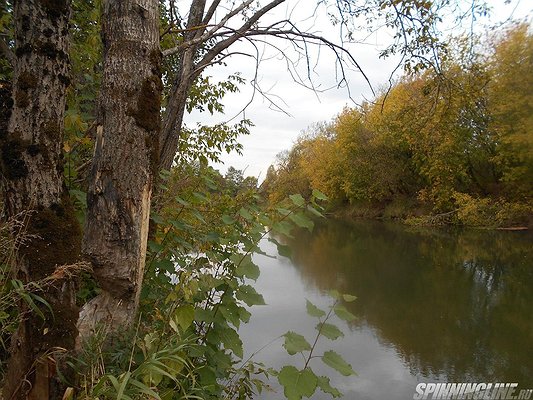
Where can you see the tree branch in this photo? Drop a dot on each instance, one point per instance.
(238, 33)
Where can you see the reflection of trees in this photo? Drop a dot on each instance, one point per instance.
(458, 304)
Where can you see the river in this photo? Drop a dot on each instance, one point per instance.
(433, 305)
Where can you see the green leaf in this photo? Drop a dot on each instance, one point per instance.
(79, 195)
(336, 362)
(344, 314)
(295, 343)
(249, 295)
(314, 211)
(228, 220)
(283, 227)
(212, 237)
(184, 316)
(182, 201)
(330, 331)
(154, 246)
(247, 268)
(230, 311)
(231, 341)
(198, 216)
(297, 200)
(317, 194)
(297, 383)
(313, 310)
(283, 211)
(349, 298)
(200, 197)
(209, 182)
(124, 383)
(202, 315)
(325, 386)
(145, 389)
(158, 219)
(165, 265)
(244, 314)
(174, 326)
(302, 221)
(243, 212)
(283, 250)
(207, 376)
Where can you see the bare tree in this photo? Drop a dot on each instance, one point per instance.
(206, 38)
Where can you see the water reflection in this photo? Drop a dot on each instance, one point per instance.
(454, 305)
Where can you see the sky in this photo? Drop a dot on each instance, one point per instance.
(275, 130)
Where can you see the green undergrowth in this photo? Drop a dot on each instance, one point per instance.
(198, 290)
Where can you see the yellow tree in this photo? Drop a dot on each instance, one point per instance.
(511, 105)
(320, 161)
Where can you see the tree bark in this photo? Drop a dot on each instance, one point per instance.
(125, 159)
(173, 119)
(32, 184)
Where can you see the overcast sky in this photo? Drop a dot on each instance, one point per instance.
(275, 131)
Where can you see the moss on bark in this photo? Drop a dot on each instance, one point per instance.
(57, 239)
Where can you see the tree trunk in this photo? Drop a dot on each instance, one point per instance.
(125, 158)
(186, 74)
(32, 185)
(173, 120)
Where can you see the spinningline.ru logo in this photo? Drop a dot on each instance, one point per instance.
(479, 391)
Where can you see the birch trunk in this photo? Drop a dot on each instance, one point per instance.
(125, 158)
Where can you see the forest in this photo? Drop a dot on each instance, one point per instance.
(126, 262)
(453, 146)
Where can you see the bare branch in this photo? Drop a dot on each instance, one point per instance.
(211, 11)
(294, 36)
(239, 33)
(205, 36)
(196, 13)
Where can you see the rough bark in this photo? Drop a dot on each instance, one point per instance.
(126, 155)
(183, 81)
(32, 169)
(173, 121)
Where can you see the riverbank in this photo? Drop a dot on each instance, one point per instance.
(479, 213)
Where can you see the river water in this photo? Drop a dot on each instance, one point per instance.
(432, 306)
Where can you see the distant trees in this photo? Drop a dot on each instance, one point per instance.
(446, 138)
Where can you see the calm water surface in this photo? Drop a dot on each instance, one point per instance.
(433, 305)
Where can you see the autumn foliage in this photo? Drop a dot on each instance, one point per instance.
(456, 143)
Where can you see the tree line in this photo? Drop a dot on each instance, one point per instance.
(453, 145)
